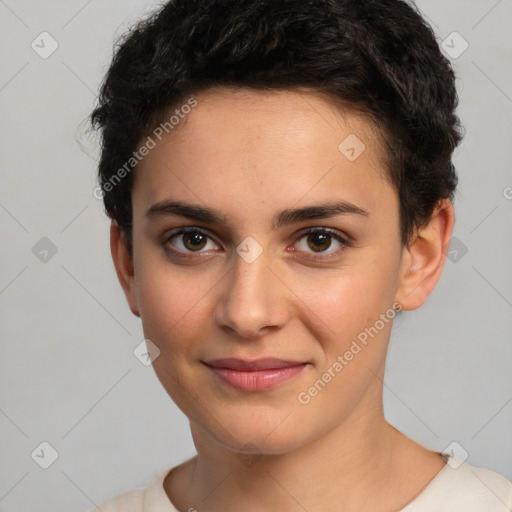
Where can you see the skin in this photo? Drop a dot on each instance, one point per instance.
(250, 154)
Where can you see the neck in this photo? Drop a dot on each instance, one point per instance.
(351, 467)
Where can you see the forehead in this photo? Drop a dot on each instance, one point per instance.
(252, 149)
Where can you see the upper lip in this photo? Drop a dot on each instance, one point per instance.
(267, 363)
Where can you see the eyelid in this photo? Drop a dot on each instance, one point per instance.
(342, 237)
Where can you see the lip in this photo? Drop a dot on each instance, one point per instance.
(255, 375)
(267, 363)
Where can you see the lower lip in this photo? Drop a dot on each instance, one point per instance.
(257, 380)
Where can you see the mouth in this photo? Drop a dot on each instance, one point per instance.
(255, 375)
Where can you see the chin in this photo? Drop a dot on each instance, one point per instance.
(260, 437)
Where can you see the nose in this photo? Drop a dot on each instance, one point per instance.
(253, 300)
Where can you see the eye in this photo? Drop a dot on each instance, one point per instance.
(319, 240)
(188, 240)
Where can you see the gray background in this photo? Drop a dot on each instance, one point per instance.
(67, 371)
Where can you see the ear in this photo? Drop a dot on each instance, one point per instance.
(124, 266)
(423, 260)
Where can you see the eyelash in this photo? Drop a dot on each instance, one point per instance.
(344, 242)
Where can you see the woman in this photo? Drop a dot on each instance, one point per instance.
(280, 184)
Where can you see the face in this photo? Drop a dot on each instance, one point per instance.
(261, 281)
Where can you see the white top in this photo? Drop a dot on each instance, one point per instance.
(458, 487)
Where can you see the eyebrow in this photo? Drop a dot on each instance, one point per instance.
(284, 217)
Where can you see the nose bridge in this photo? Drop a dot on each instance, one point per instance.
(251, 297)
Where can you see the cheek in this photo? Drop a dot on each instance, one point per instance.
(173, 317)
(171, 304)
(352, 342)
(347, 306)
(346, 300)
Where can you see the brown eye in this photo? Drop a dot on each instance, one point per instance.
(194, 241)
(319, 240)
(189, 240)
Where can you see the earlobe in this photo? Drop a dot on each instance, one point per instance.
(424, 259)
(124, 266)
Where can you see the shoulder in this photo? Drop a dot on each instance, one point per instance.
(480, 489)
(463, 487)
(145, 498)
(130, 501)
